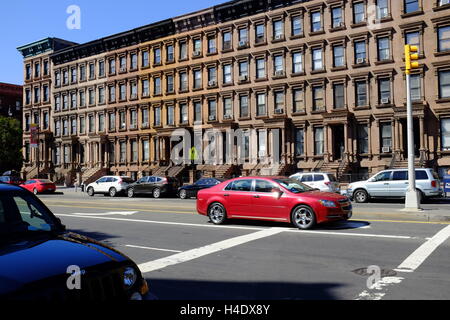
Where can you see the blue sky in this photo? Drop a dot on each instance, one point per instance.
(25, 21)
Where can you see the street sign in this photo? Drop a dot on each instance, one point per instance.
(446, 184)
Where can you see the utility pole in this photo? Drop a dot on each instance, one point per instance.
(412, 201)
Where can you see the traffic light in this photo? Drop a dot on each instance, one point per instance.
(410, 56)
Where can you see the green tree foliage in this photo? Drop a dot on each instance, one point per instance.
(10, 144)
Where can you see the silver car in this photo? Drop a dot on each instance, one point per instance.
(323, 181)
(394, 184)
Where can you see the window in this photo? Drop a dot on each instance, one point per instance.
(445, 134)
(359, 12)
(134, 151)
(45, 93)
(197, 111)
(298, 103)
(261, 104)
(243, 106)
(101, 68)
(444, 38)
(82, 125)
(183, 81)
(145, 59)
(170, 51)
(197, 43)
(212, 75)
(197, 79)
(133, 90)
(227, 44)
(112, 66)
(243, 36)
(386, 135)
(384, 94)
(383, 49)
(413, 38)
(170, 115)
(279, 101)
(264, 186)
(278, 62)
(65, 77)
(297, 62)
(133, 119)
(339, 95)
(91, 124)
(82, 73)
(112, 121)
(57, 78)
(28, 74)
(145, 150)
(101, 95)
(122, 91)
(212, 110)
(240, 185)
(82, 98)
(243, 70)
(37, 70)
(27, 96)
(363, 138)
(133, 64)
(411, 6)
(46, 120)
(262, 143)
(157, 85)
(444, 84)
(299, 142)
(183, 50)
(73, 100)
(319, 141)
(122, 120)
(360, 51)
(170, 83)
(57, 128)
(91, 71)
(212, 48)
(123, 151)
(184, 115)
(227, 76)
(278, 29)
(73, 75)
(317, 56)
(361, 93)
(297, 26)
(318, 98)
(157, 116)
(112, 94)
(65, 102)
(260, 68)
(316, 21)
(101, 122)
(145, 118)
(338, 56)
(145, 88)
(227, 107)
(157, 56)
(416, 87)
(337, 18)
(260, 30)
(382, 9)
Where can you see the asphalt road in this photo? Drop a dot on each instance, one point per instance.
(184, 257)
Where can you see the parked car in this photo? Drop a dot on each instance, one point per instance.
(109, 185)
(154, 186)
(191, 190)
(394, 184)
(318, 180)
(36, 253)
(39, 186)
(11, 180)
(274, 199)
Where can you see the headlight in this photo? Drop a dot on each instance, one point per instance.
(129, 277)
(350, 187)
(328, 203)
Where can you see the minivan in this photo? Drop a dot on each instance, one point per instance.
(323, 181)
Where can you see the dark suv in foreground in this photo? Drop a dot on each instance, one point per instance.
(40, 260)
(154, 186)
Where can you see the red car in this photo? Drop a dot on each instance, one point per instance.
(274, 199)
(39, 186)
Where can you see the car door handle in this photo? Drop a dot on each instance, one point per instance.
(386, 184)
(226, 195)
(257, 197)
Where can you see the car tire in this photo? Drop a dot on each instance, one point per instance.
(112, 192)
(35, 191)
(361, 196)
(91, 192)
(217, 213)
(130, 193)
(304, 217)
(182, 194)
(156, 193)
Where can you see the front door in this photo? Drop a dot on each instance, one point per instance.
(238, 197)
(265, 203)
(338, 142)
(379, 185)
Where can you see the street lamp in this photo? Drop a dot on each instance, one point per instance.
(412, 202)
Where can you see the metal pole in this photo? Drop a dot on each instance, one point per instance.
(412, 201)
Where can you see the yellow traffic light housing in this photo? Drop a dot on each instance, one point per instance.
(411, 54)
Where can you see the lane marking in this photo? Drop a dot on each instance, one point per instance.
(118, 213)
(110, 208)
(150, 248)
(409, 265)
(291, 230)
(206, 250)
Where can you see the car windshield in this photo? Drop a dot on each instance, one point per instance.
(293, 185)
(45, 181)
(21, 213)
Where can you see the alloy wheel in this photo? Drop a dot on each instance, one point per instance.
(217, 213)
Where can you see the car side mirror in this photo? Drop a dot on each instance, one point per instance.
(278, 192)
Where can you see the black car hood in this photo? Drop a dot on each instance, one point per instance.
(31, 260)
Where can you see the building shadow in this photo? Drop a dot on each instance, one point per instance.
(95, 235)
(181, 289)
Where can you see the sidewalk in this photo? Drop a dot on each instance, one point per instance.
(427, 215)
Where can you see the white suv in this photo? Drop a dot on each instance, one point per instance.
(319, 180)
(112, 185)
(394, 184)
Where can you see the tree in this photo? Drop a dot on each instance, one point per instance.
(11, 157)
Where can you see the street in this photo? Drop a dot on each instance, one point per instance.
(185, 257)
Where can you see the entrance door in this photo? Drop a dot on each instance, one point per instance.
(416, 137)
(338, 142)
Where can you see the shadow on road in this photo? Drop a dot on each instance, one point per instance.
(99, 236)
(169, 289)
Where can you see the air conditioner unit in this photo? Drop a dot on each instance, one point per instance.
(279, 111)
(385, 101)
(444, 2)
(197, 53)
(279, 73)
(360, 61)
(133, 126)
(212, 118)
(227, 45)
(123, 69)
(386, 149)
(133, 96)
(243, 44)
(227, 117)
(243, 78)
(278, 37)
(212, 83)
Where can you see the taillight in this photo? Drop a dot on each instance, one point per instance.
(434, 184)
(164, 181)
(327, 183)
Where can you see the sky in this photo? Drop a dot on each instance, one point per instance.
(26, 21)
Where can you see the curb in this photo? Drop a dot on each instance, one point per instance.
(425, 216)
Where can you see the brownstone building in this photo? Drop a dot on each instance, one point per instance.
(314, 85)
(11, 100)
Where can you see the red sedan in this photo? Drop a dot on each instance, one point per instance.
(274, 199)
(39, 186)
